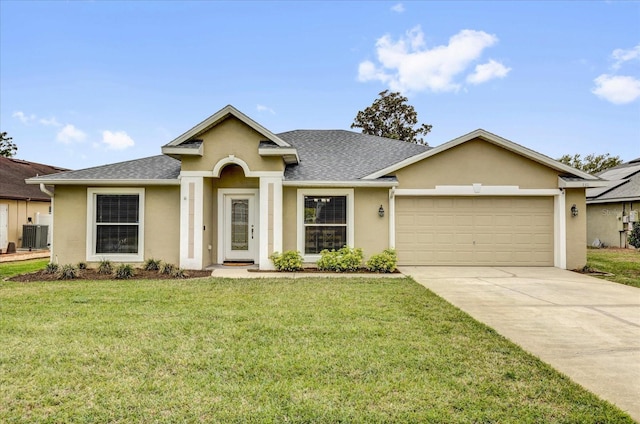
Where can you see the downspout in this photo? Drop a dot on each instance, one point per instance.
(44, 189)
(50, 194)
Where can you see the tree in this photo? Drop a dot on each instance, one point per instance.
(634, 236)
(591, 163)
(7, 146)
(390, 116)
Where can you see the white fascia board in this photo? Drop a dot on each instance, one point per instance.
(340, 183)
(492, 138)
(219, 116)
(183, 151)
(289, 155)
(616, 200)
(582, 184)
(470, 190)
(105, 182)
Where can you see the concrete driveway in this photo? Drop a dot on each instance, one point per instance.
(586, 328)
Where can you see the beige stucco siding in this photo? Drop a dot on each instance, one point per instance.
(576, 229)
(371, 232)
(18, 213)
(162, 224)
(477, 161)
(231, 137)
(289, 218)
(70, 221)
(604, 222)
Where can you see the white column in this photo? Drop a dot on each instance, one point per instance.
(270, 210)
(191, 222)
(560, 231)
(392, 219)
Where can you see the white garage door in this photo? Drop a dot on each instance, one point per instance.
(474, 231)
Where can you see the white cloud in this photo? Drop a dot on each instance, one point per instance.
(25, 119)
(621, 56)
(488, 71)
(117, 140)
(408, 65)
(263, 108)
(70, 134)
(50, 122)
(398, 8)
(617, 89)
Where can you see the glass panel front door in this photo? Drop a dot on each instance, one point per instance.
(240, 230)
(240, 224)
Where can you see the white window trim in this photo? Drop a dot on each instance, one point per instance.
(300, 216)
(92, 256)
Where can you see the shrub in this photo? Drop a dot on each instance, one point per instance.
(82, 265)
(68, 272)
(123, 272)
(343, 260)
(291, 260)
(51, 268)
(166, 268)
(105, 267)
(634, 236)
(179, 273)
(152, 264)
(383, 262)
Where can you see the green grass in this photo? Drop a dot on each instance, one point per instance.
(624, 264)
(10, 269)
(281, 350)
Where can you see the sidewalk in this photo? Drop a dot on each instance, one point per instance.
(23, 255)
(251, 271)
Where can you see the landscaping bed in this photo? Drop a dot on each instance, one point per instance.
(92, 274)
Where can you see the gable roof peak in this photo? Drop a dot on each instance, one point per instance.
(219, 116)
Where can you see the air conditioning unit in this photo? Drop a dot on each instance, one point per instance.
(34, 236)
(633, 216)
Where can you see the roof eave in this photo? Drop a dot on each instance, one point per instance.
(320, 184)
(581, 184)
(613, 200)
(105, 182)
(182, 151)
(289, 155)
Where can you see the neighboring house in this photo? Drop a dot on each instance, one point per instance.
(613, 210)
(20, 203)
(230, 190)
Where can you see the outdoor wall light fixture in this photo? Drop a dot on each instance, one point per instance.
(574, 210)
(381, 211)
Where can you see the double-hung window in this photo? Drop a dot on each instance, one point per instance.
(325, 220)
(115, 221)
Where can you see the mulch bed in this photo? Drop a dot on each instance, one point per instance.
(92, 274)
(313, 270)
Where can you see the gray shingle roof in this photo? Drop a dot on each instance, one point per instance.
(152, 168)
(339, 155)
(625, 183)
(325, 155)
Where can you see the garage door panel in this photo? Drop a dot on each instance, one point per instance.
(475, 231)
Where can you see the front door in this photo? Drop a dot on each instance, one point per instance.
(240, 229)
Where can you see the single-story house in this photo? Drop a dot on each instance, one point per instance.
(614, 209)
(20, 203)
(230, 190)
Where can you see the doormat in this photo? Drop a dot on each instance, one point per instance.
(237, 263)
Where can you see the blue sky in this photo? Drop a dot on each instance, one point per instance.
(89, 83)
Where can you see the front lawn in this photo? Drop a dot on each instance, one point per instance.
(280, 350)
(624, 264)
(10, 269)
